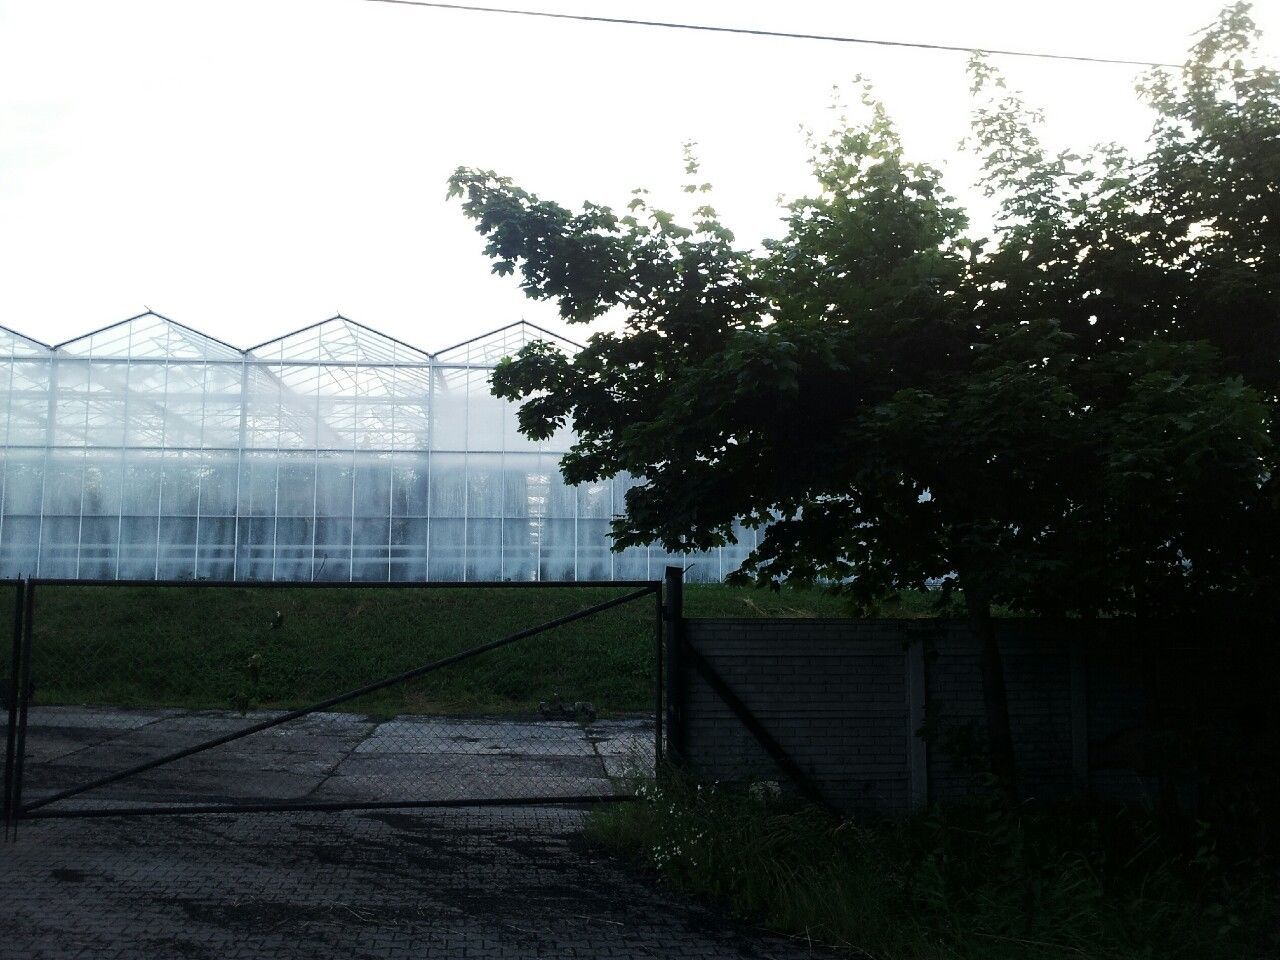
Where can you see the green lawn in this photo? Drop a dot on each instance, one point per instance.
(221, 648)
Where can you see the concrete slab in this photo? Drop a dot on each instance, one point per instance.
(464, 784)
(625, 746)
(477, 737)
(180, 784)
(97, 718)
(328, 756)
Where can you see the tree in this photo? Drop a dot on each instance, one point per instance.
(1033, 419)
(1177, 250)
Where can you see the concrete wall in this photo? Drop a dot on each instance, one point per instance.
(886, 715)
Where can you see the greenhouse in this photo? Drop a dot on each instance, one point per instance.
(148, 450)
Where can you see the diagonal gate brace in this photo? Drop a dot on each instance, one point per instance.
(763, 737)
(334, 701)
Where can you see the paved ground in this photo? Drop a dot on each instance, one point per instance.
(491, 882)
(328, 757)
(456, 883)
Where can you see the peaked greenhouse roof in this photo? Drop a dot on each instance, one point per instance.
(491, 347)
(14, 344)
(336, 341)
(146, 336)
(339, 340)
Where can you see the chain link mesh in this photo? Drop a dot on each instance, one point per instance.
(126, 675)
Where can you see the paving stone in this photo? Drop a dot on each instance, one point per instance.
(97, 718)
(466, 735)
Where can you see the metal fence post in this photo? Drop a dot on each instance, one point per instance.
(676, 684)
(24, 696)
(11, 696)
(659, 677)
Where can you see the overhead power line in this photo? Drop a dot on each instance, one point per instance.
(745, 31)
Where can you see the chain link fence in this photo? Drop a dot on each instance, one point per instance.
(156, 697)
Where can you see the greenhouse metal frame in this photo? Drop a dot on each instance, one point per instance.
(147, 450)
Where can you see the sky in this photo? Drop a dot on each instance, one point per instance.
(248, 167)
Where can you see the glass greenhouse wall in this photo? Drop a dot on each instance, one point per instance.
(148, 450)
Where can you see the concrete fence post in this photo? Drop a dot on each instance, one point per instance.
(677, 684)
(1079, 713)
(917, 748)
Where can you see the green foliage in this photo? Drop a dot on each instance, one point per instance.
(1071, 416)
(970, 883)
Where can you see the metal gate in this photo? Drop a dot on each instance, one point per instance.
(100, 749)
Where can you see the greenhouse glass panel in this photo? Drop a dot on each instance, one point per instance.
(149, 450)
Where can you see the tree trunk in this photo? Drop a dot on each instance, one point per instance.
(995, 700)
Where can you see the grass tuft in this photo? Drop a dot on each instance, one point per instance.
(969, 883)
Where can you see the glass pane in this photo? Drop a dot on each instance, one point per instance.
(373, 489)
(333, 486)
(102, 478)
(63, 482)
(333, 548)
(484, 485)
(137, 548)
(215, 557)
(256, 548)
(59, 537)
(557, 553)
(18, 539)
(296, 492)
(449, 410)
(484, 550)
(98, 537)
(485, 415)
(177, 551)
(370, 550)
(409, 550)
(218, 486)
(448, 485)
(24, 475)
(180, 492)
(258, 485)
(595, 561)
(293, 549)
(409, 487)
(520, 549)
(447, 549)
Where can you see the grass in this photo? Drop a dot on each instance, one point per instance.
(226, 648)
(972, 883)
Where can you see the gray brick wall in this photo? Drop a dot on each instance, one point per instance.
(839, 697)
(831, 692)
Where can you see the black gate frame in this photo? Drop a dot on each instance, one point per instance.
(20, 689)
